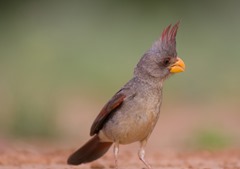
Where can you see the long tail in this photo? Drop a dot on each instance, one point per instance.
(90, 151)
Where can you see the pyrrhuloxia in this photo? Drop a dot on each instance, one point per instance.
(131, 114)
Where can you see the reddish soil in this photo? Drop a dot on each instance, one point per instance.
(168, 147)
(50, 157)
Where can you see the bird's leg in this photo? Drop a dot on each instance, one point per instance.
(141, 153)
(115, 151)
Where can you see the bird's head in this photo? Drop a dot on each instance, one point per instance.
(161, 60)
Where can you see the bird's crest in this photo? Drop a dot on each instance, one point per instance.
(169, 34)
(168, 38)
(167, 41)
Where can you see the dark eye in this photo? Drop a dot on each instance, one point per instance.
(166, 61)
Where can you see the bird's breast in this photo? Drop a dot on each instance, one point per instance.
(135, 120)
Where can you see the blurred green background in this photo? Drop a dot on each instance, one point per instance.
(60, 61)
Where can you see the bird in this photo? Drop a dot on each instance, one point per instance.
(132, 113)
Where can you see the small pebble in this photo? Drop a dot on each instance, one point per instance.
(97, 165)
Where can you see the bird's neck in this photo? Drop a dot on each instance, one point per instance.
(152, 82)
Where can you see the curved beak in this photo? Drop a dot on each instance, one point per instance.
(178, 66)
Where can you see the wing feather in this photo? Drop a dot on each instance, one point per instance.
(106, 112)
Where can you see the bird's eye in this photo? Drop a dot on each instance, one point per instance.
(166, 61)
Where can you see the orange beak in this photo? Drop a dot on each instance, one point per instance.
(178, 66)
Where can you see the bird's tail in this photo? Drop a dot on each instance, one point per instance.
(90, 151)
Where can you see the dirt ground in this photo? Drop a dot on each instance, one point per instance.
(168, 147)
(37, 156)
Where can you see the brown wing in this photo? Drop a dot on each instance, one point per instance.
(106, 112)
